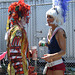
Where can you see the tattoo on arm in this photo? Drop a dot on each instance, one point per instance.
(64, 35)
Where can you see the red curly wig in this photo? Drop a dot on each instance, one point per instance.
(17, 10)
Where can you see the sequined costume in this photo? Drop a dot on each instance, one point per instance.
(17, 43)
(18, 52)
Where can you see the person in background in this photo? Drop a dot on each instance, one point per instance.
(56, 40)
(17, 43)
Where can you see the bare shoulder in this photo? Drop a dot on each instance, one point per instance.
(61, 33)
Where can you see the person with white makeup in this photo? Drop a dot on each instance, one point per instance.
(56, 39)
(17, 43)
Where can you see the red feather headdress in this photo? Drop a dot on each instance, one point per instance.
(17, 10)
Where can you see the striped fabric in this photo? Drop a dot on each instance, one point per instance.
(19, 52)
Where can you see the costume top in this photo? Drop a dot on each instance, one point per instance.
(18, 52)
(52, 44)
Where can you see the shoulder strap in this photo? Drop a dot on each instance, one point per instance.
(55, 31)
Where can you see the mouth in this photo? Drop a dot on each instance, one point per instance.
(48, 22)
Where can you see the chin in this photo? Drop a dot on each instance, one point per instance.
(50, 24)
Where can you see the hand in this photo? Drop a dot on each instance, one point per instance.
(30, 52)
(42, 44)
(39, 44)
(48, 57)
(31, 71)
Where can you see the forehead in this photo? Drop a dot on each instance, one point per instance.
(50, 16)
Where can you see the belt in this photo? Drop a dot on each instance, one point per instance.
(51, 64)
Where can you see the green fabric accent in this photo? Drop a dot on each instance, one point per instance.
(24, 45)
(17, 8)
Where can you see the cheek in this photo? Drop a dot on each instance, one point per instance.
(50, 20)
(23, 21)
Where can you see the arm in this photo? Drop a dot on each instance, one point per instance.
(8, 41)
(60, 36)
(61, 39)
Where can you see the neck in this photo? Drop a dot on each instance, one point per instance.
(53, 27)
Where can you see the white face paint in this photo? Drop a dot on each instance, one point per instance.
(23, 21)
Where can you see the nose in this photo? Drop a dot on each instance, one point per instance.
(48, 19)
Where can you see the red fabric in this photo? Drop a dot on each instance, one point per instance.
(23, 10)
(31, 71)
(15, 54)
(16, 60)
(15, 47)
(21, 1)
(18, 66)
(3, 55)
(57, 67)
(20, 72)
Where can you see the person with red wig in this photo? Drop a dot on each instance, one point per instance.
(17, 43)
